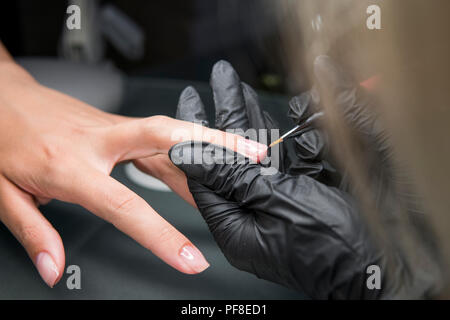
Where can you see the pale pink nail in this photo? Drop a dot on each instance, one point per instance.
(47, 268)
(193, 258)
(252, 149)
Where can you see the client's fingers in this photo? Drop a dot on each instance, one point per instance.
(162, 168)
(147, 137)
(114, 202)
(41, 241)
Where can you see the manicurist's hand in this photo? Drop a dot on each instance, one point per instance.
(301, 226)
(53, 146)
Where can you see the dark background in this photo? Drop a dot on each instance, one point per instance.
(183, 38)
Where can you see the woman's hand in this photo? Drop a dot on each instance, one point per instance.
(53, 146)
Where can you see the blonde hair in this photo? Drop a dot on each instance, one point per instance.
(411, 54)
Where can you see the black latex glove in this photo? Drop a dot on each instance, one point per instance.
(288, 229)
(292, 230)
(311, 149)
(236, 109)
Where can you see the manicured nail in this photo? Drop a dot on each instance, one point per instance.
(193, 258)
(252, 149)
(47, 268)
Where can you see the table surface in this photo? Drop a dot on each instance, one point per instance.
(112, 265)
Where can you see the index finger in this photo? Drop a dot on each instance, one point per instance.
(147, 137)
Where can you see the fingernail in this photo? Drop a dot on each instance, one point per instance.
(193, 258)
(252, 149)
(47, 268)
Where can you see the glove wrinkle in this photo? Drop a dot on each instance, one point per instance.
(193, 109)
(228, 98)
(256, 118)
(299, 107)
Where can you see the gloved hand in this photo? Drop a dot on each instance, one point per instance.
(292, 230)
(311, 149)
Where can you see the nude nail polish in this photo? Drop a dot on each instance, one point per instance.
(252, 149)
(47, 268)
(193, 258)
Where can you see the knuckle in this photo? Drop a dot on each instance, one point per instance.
(53, 163)
(159, 119)
(122, 205)
(156, 123)
(51, 151)
(165, 235)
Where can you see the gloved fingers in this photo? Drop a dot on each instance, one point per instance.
(260, 119)
(310, 145)
(300, 107)
(228, 173)
(218, 212)
(190, 107)
(301, 167)
(347, 96)
(281, 195)
(224, 218)
(263, 123)
(210, 165)
(255, 115)
(231, 226)
(228, 98)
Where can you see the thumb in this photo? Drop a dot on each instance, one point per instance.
(228, 173)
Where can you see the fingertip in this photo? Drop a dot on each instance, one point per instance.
(252, 149)
(223, 72)
(220, 66)
(190, 107)
(262, 153)
(188, 93)
(192, 260)
(47, 268)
